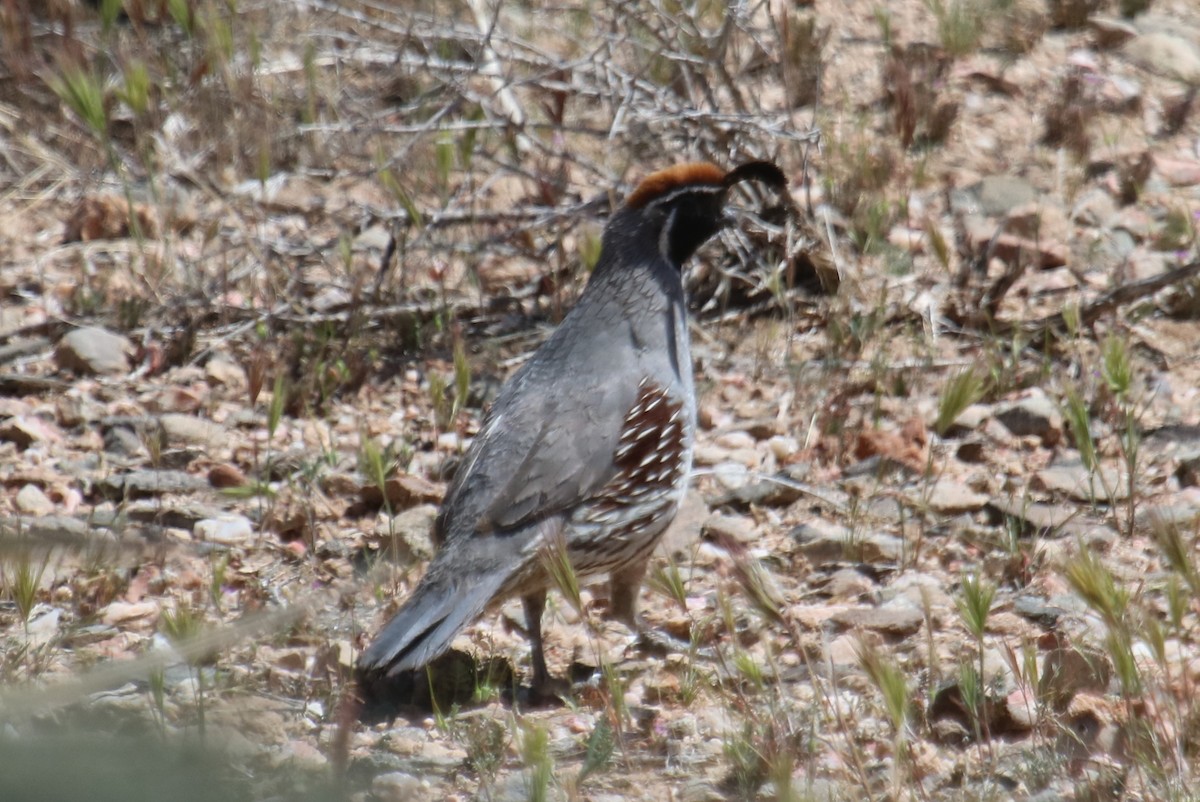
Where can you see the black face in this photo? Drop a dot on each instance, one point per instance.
(690, 220)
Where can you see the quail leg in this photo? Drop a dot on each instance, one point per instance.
(623, 589)
(535, 603)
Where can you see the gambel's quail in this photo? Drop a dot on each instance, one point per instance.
(586, 451)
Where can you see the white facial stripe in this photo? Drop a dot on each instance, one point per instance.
(664, 236)
(666, 197)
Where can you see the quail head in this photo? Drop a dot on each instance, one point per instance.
(587, 449)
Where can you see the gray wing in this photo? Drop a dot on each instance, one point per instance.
(546, 445)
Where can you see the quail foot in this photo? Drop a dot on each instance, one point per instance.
(587, 449)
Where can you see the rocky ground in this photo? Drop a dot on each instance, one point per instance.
(263, 265)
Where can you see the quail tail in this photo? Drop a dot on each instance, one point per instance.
(424, 627)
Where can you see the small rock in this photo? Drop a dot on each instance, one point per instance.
(731, 475)
(843, 650)
(58, 526)
(907, 239)
(898, 620)
(1011, 248)
(413, 531)
(1038, 610)
(1039, 222)
(228, 530)
(778, 491)
(403, 491)
(1050, 795)
(373, 238)
(973, 416)
(1044, 519)
(737, 528)
(735, 440)
(1021, 706)
(823, 542)
(999, 194)
(697, 790)
(783, 446)
(339, 484)
(93, 350)
(1073, 480)
(123, 441)
(950, 497)
(120, 612)
(848, 583)
(330, 298)
(26, 431)
(1166, 54)
(1035, 415)
(191, 430)
(149, 483)
(32, 501)
(971, 451)
(1094, 208)
(305, 755)
(707, 455)
(1133, 220)
(1181, 509)
(1110, 33)
(225, 476)
(1178, 172)
(449, 441)
(1188, 471)
(225, 372)
(1070, 669)
(398, 786)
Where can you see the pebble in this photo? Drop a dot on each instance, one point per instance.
(735, 440)
(731, 475)
(824, 542)
(1073, 480)
(1166, 54)
(783, 446)
(1178, 172)
(737, 528)
(225, 372)
(997, 195)
(228, 530)
(149, 483)
(27, 431)
(183, 429)
(896, 619)
(31, 500)
(1109, 32)
(848, 584)
(398, 786)
(225, 476)
(1181, 509)
(1094, 208)
(843, 650)
(950, 497)
(93, 350)
(413, 530)
(1034, 415)
(120, 612)
(1188, 471)
(403, 491)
